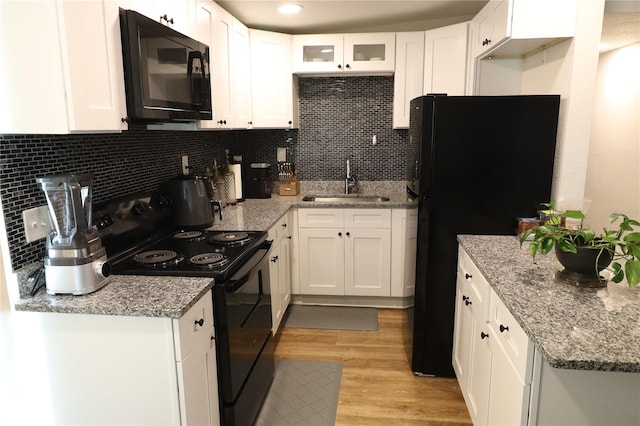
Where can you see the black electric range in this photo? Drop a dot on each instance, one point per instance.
(140, 239)
(138, 233)
(194, 253)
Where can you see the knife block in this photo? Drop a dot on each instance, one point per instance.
(290, 188)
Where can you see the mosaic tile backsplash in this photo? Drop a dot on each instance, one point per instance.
(338, 117)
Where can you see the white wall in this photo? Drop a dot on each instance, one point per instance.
(573, 75)
(613, 172)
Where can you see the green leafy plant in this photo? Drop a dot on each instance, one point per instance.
(623, 243)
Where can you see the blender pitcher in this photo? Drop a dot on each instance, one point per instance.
(69, 202)
(76, 263)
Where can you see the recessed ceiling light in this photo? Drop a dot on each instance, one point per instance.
(289, 9)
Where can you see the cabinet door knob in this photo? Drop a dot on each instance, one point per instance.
(200, 322)
(468, 276)
(347, 66)
(503, 328)
(339, 66)
(348, 234)
(339, 234)
(483, 335)
(166, 18)
(289, 237)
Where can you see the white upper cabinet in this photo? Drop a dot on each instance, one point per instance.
(240, 79)
(178, 15)
(272, 101)
(445, 60)
(516, 27)
(228, 41)
(368, 53)
(214, 28)
(408, 80)
(66, 76)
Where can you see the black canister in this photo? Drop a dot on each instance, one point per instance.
(258, 183)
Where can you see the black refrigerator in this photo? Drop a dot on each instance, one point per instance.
(475, 164)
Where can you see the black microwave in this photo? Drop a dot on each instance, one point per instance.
(166, 73)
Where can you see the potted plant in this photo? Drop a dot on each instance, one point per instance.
(583, 253)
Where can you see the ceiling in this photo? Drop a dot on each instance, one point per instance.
(352, 16)
(621, 24)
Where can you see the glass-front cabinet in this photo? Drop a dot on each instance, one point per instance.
(334, 53)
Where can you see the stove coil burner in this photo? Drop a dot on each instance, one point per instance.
(209, 260)
(158, 258)
(189, 235)
(232, 238)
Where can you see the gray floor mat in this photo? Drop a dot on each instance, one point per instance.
(332, 318)
(302, 393)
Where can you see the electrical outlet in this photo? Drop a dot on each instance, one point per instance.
(37, 223)
(281, 154)
(185, 165)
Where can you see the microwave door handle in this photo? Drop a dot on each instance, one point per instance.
(195, 92)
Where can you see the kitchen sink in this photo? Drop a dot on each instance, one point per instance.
(345, 198)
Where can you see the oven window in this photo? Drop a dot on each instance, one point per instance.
(249, 325)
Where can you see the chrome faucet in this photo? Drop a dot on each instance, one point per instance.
(350, 181)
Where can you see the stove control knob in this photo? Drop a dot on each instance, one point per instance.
(103, 269)
(140, 207)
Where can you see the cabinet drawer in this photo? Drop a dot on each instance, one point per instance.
(367, 218)
(195, 325)
(476, 285)
(321, 218)
(511, 337)
(280, 229)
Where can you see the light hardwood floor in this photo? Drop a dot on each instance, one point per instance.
(378, 387)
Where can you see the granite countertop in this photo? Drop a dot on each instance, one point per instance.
(574, 328)
(172, 296)
(127, 295)
(261, 214)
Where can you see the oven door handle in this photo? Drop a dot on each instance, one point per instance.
(245, 272)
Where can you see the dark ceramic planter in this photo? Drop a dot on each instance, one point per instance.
(580, 268)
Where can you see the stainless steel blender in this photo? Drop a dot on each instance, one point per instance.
(76, 263)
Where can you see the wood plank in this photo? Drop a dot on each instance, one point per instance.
(378, 386)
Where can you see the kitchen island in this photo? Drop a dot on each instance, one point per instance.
(583, 365)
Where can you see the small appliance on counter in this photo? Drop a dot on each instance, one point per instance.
(258, 184)
(76, 262)
(193, 201)
(288, 178)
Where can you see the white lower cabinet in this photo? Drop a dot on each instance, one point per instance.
(280, 269)
(108, 369)
(345, 251)
(492, 356)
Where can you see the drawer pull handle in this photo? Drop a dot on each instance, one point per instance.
(483, 335)
(200, 322)
(503, 328)
(468, 276)
(466, 300)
